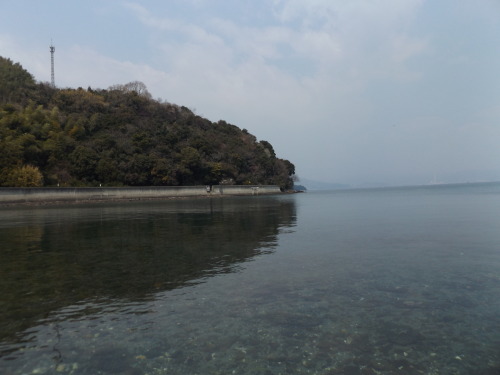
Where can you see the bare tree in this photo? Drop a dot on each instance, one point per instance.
(135, 86)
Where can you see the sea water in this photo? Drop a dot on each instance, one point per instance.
(369, 281)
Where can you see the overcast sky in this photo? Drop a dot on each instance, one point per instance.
(351, 91)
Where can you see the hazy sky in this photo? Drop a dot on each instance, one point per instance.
(350, 91)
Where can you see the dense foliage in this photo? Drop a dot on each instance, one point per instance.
(120, 137)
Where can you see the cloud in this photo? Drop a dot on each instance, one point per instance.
(305, 56)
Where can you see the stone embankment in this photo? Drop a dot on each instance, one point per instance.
(68, 194)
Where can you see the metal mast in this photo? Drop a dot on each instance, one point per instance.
(52, 79)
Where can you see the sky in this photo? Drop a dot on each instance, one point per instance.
(359, 92)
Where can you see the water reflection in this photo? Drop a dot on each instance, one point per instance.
(79, 259)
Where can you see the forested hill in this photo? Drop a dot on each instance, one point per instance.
(120, 137)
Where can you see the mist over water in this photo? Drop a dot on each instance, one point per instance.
(400, 280)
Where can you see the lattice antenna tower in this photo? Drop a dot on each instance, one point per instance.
(52, 79)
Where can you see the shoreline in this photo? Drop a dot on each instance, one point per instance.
(10, 197)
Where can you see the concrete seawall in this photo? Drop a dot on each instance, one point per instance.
(68, 194)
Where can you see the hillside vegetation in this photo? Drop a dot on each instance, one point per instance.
(120, 137)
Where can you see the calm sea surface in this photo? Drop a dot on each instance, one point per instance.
(382, 281)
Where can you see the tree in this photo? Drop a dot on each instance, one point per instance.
(135, 86)
(25, 176)
(16, 83)
(84, 162)
(268, 148)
